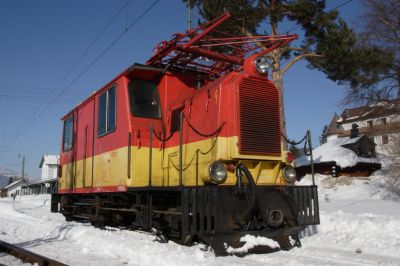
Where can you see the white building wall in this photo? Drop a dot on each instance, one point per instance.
(16, 189)
(380, 147)
(49, 171)
(52, 172)
(375, 121)
(392, 147)
(44, 171)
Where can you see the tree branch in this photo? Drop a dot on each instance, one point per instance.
(297, 58)
(297, 49)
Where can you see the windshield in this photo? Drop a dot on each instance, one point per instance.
(144, 99)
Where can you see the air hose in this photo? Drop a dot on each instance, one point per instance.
(246, 215)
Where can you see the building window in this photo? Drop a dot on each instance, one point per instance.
(385, 139)
(144, 99)
(383, 121)
(369, 123)
(68, 135)
(107, 112)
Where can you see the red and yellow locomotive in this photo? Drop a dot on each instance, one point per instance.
(189, 145)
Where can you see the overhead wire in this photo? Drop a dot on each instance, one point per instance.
(54, 89)
(4, 128)
(23, 86)
(33, 146)
(32, 118)
(31, 96)
(36, 114)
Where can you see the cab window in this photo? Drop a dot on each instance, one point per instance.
(144, 99)
(107, 112)
(68, 134)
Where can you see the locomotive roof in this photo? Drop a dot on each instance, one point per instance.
(134, 71)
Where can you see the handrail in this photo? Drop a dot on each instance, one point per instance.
(180, 146)
(151, 155)
(307, 139)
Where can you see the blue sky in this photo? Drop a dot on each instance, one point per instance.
(41, 40)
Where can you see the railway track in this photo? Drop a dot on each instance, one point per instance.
(28, 256)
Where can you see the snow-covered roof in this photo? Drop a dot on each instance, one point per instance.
(377, 110)
(42, 181)
(49, 160)
(13, 184)
(333, 151)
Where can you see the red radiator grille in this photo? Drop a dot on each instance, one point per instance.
(260, 131)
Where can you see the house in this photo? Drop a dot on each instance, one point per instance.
(46, 186)
(49, 165)
(380, 122)
(350, 156)
(49, 179)
(11, 189)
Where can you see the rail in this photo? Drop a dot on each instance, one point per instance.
(28, 256)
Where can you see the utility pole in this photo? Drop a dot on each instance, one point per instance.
(22, 173)
(23, 167)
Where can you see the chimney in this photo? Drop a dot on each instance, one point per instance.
(354, 131)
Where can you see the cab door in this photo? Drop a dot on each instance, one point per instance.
(84, 153)
(66, 181)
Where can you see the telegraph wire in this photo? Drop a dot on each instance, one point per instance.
(23, 86)
(39, 110)
(31, 96)
(342, 4)
(96, 39)
(33, 146)
(109, 47)
(4, 132)
(33, 118)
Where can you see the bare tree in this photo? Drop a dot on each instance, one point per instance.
(381, 29)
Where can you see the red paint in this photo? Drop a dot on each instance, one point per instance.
(94, 190)
(191, 50)
(259, 119)
(230, 167)
(206, 109)
(289, 157)
(175, 68)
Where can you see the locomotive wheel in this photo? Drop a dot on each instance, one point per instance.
(99, 222)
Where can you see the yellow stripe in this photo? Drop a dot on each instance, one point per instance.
(111, 168)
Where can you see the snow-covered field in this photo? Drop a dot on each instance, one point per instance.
(360, 225)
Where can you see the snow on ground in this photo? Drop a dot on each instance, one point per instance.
(333, 151)
(360, 225)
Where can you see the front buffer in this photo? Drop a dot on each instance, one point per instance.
(221, 215)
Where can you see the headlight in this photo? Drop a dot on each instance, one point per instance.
(217, 172)
(289, 173)
(262, 64)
